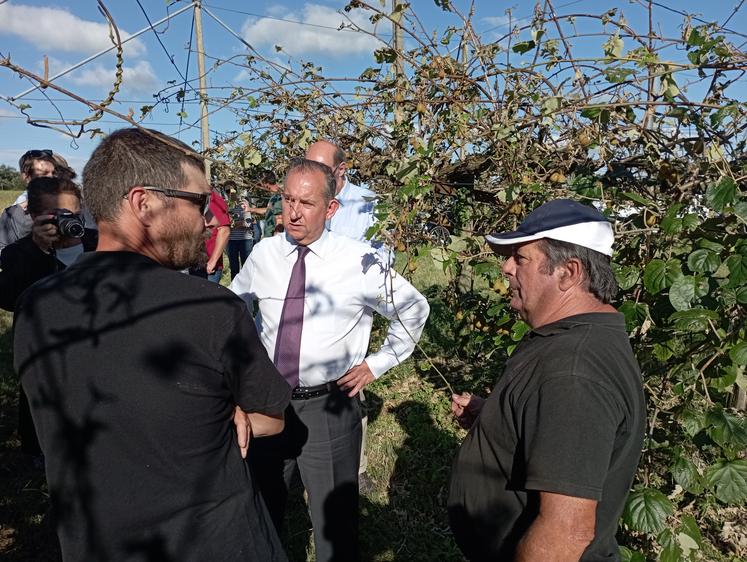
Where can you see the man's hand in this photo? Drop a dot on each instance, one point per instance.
(211, 265)
(44, 234)
(243, 430)
(466, 407)
(356, 378)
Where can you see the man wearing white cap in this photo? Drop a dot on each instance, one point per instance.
(546, 467)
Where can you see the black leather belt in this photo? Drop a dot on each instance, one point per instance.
(306, 392)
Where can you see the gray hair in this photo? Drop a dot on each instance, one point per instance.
(599, 278)
(304, 166)
(133, 157)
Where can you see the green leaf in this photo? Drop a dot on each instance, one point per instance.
(682, 293)
(686, 475)
(737, 269)
(523, 47)
(635, 314)
(710, 245)
(627, 276)
(726, 429)
(728, 479)
(671, 551)
(693, 320)
(647, 510)
(613, 47)
(689, 526)
(740, 209)
(703, 261)
(687, 544)
(638, 199)
(519, 329)
(671, 222)
(722, 194)
(627, 555)
(618, 75)
(551, 105)
(693, 422)
(690, 221)
(662, 352)
(738, 353)
(660, 274)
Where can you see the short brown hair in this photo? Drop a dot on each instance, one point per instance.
(133, 157)
(38, 188)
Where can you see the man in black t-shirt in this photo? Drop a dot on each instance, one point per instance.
(137, 374)
(546, 467)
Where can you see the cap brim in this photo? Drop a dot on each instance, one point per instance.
(595, 235)
(502, 244)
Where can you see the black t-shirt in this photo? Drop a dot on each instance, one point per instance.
(132, 372)
(567, 416)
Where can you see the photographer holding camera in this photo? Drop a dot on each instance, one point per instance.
(58, 237)
(244, 234)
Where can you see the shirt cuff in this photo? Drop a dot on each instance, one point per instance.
(379, 363)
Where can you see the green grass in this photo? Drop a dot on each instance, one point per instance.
(411, 444)
(8, 197)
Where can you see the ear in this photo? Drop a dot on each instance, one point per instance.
(342, 168)
(570, 274)
(140, 204)
(332, 208)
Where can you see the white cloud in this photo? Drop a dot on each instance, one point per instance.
(139, 78)
(498, 21)
(58, 30)
(8, 113)
(307, 39)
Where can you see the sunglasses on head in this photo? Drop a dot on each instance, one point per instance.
(33, 154)
(202, 200)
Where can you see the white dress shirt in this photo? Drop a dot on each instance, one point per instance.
(345, 284)
(355, 214)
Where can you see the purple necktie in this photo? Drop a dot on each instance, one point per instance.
(288, 341)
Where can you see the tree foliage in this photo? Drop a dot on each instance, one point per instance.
(10, 179)
(469, 133)
(475, 133)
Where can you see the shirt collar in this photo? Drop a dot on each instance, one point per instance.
(318, 247)
(343, 193)
(612, 319)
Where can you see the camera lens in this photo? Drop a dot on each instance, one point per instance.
(70, 225)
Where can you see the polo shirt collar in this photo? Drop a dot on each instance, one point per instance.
(612, 319)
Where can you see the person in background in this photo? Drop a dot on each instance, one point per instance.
(355, 214)
(551, 454)
(244, 230)
(15, 223)
(145, 384)
(273, 213)
(219, 224)
(317, 292)
(58, 238)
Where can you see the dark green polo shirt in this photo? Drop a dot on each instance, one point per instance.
(567, 416)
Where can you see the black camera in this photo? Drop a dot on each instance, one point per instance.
(68, 223)
(237, 214)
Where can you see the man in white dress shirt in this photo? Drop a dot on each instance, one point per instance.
(344, 283)
(355, 213)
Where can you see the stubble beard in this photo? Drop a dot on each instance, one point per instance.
(185, 248)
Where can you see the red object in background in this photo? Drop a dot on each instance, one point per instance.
(217, 216)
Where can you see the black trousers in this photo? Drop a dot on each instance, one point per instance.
(322, 440)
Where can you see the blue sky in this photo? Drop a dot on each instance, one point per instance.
(68, 32)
